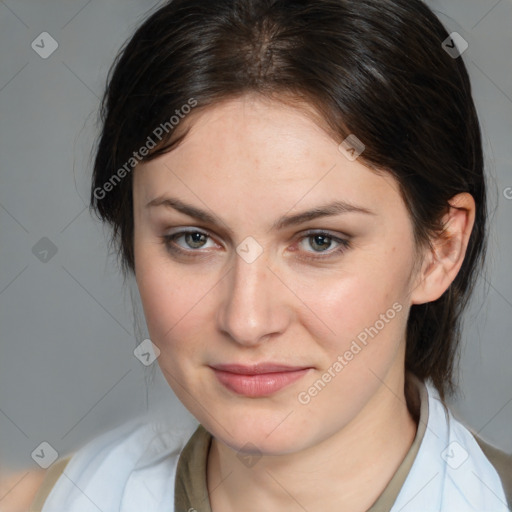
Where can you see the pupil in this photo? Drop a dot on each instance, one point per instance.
(322, 240)
(196, 238)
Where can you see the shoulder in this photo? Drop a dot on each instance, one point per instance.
(502, 463)
(105, 472)
(473, 470)
(18, 489)
(51, 475)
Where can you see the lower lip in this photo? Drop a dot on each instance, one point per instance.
(263, 384)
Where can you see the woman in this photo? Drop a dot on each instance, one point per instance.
(298, 190)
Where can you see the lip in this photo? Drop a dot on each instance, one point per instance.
(258, 380)
(258, 368)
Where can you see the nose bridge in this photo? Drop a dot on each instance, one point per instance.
(250, 309)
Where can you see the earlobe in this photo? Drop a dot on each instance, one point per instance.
(442, 263)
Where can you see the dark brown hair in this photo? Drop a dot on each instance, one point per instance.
(373, 68)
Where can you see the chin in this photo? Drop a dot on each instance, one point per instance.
(260, 433)
(259, 443)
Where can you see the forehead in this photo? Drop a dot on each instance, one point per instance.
(264, 150)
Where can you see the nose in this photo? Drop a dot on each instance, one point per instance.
(253, 305)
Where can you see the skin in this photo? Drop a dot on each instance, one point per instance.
(249, 161)
(19, 488)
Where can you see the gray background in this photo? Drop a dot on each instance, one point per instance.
(67, 369)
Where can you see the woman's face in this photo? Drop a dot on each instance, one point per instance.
(257, 280)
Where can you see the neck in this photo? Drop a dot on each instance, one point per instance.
(345, 472)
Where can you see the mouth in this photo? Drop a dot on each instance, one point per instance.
(260, 380)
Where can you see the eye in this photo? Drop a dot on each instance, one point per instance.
(321, 242)
(191, 240)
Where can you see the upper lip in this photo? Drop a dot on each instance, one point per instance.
(255, 369)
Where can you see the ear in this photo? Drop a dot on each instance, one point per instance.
(442, 263)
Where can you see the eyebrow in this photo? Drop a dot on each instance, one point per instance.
(325, 210)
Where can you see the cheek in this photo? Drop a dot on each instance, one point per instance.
(361, 332)
(367, 294)
(175, 303)
(154, 295)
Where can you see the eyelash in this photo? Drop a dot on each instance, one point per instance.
(169, 242)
